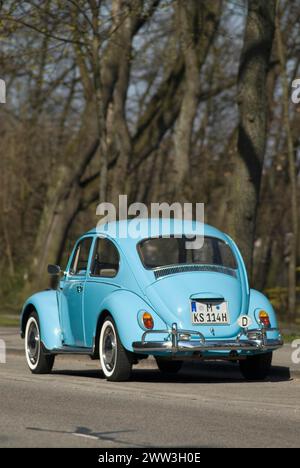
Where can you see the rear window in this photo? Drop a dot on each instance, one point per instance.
(165, 251)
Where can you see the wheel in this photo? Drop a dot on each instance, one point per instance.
(115, 361)
(168, 366)
(256, 367)
(38, 362)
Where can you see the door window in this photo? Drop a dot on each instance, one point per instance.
(105, 259)
(81, 257)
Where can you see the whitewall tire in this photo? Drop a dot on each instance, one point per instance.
(38, 362)
(114, 359)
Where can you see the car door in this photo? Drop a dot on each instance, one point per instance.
(102, 280)
(72, 290)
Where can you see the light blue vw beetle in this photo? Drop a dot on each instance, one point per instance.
(123, 298)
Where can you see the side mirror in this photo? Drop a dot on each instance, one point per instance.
(54, 270)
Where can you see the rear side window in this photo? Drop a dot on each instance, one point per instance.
(105, 259)
(81, 257)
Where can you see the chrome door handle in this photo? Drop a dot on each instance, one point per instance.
(79, 288)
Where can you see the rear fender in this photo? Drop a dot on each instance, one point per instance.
(124, 307)
(259, 301)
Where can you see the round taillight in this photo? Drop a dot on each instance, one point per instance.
(264, 318)
(148, 320)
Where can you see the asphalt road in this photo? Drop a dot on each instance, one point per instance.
(203, 406)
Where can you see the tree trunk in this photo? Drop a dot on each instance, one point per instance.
(252, 131)
(196, 24)
(184, 125)
(292, 175)
(61, 204)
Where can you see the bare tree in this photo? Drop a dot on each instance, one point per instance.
(139, 97)
(252, 132)
(293, 237)
(196, 24)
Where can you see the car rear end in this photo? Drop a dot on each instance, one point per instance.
(204, 298)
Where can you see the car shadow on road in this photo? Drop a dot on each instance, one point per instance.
(214, 372)
(207, 372)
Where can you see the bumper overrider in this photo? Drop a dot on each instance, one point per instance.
(178, 340)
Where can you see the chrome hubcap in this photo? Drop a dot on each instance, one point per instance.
(109, 349)
(33, 343)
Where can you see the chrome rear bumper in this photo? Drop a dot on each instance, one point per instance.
(180, 341)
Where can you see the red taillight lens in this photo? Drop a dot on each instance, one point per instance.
(264, 318)
(148, 320)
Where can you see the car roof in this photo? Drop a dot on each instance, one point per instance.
(154, 227)
(159, 227)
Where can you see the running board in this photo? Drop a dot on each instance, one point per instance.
(71, 350)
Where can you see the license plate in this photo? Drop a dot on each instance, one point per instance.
(209, 313)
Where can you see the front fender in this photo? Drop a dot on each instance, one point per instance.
(46, 305)
(259, 301)
(124, 307)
